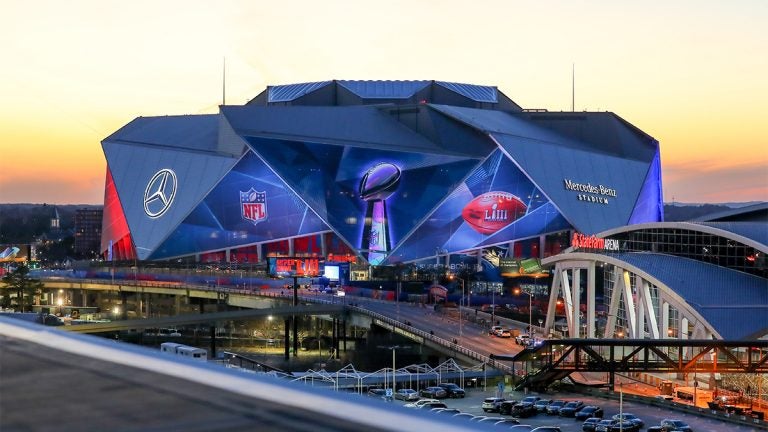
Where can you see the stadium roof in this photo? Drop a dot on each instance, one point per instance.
(364, 92)
(701, 285)
(757, 212)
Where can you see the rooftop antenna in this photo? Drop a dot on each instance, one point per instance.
(573, 87)
(224, 83)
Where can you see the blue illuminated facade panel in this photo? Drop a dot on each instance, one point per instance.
(496, 203)
(331, 179)
(249, 205)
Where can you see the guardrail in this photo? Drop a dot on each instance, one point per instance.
(436, 339)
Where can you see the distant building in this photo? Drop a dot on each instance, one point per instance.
(88, 231)
(55, 220)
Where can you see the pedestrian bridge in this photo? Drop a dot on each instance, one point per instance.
(556, 359)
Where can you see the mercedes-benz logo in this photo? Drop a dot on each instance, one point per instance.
(160, 192)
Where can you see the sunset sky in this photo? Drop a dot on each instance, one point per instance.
(693, 74)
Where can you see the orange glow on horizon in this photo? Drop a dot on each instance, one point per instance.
(691, 74)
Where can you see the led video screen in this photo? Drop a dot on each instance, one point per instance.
(249, 205)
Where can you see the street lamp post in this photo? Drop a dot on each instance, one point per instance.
(394, 366)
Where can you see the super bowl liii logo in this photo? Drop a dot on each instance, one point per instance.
(253, 205)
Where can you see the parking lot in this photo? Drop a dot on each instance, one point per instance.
(651, 415)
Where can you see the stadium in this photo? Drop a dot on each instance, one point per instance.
(458, 177)
(374, 172)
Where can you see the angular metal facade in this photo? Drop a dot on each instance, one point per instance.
(391, 177)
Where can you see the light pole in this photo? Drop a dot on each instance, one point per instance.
(393, 370)
(621, 407)
(518, 291)
(393, 348)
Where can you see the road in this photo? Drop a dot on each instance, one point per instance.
(444, 325)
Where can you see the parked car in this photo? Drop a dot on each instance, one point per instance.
(547, 429)
(531, 399)
(429, 405)
(588, 412)
(379, 393)
(506, 407)
(521, 428)
(541, 404)
(433, 392)
(590, 424)
(523, 409)
(671, 425)
(452, 390)
(623, 426)
(630, 417)
(463, 416)
(554, 407)
(419, 403)
(491, 404)
(491, 420)
(604, 425)
(446, 411)
(507, 422)
(407, 395)
(569, 409)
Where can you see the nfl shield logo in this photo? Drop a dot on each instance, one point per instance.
(253, 205)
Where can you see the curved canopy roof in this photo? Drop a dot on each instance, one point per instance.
(734, 303)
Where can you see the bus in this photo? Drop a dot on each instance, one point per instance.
(182, 350)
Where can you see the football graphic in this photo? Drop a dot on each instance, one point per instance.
(492, 211)
(379, 182)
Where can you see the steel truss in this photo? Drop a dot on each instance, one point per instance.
(563, 356)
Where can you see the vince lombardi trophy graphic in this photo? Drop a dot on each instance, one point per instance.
(378, 184)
